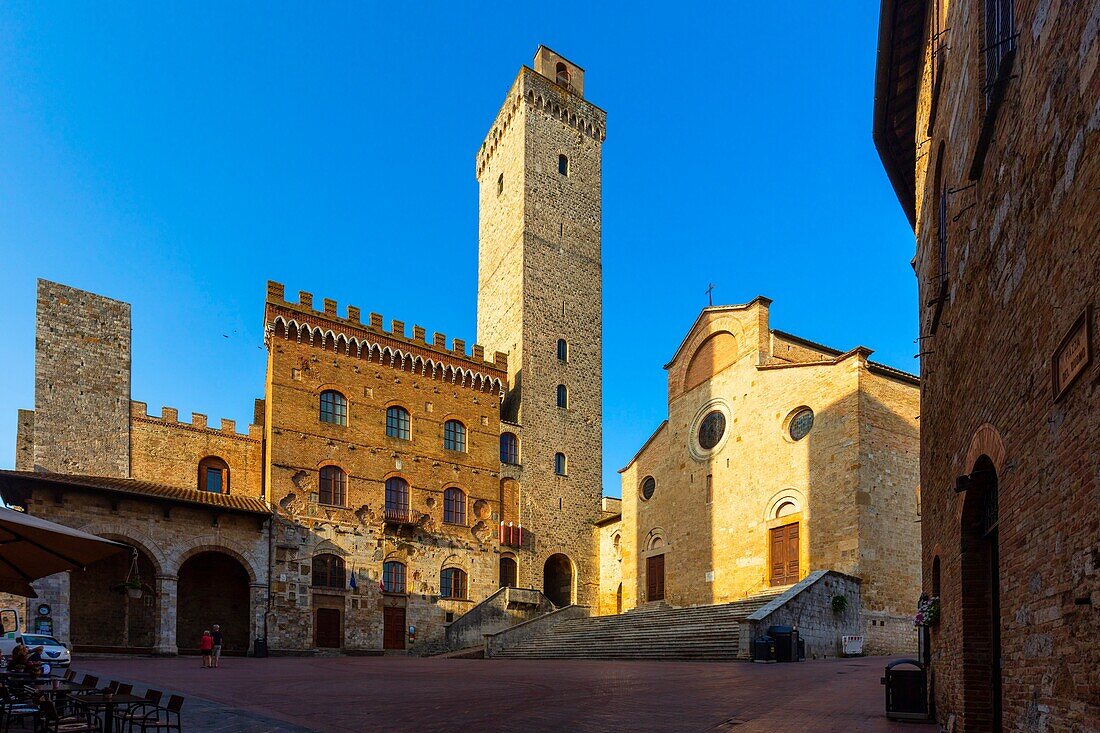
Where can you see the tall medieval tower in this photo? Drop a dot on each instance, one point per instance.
(540, 300)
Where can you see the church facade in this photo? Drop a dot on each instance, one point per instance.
(779, 457)
(389, 481)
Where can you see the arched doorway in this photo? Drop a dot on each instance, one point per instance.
(557, 580)
(104, 617)
(509, 572)
(213, 589)
(981, 597)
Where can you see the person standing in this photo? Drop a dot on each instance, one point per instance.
(217, 644)
(206, 646)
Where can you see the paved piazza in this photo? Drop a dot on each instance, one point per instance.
(414, 694)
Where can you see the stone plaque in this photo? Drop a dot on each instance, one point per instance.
(1073, 354)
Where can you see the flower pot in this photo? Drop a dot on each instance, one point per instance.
(133, 592)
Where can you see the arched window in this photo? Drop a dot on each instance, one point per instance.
(328, 571)
(334, 407)
(333, 486)
(509, 449)
(509, 572)
(563, 396)
(397, 498)
(397, 422)
(559, 464)
(214, 475)
(454, 435)
(563, 350)
(454, 506)
(562, 73)
(393, 577)
(563, 165)
(452, 583)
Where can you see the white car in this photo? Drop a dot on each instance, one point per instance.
(54, 653)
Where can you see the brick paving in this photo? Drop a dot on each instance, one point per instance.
(425, 695)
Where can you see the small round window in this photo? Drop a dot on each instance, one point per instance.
(711, 429)
(648, 487)
(801, 423)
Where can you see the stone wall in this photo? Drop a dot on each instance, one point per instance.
(81, 382)
(374, 370)
(502, 610)
(519, 633)
(1020, 238)
(165, 450)
(808, 607)
(539, 280)
(850, 484)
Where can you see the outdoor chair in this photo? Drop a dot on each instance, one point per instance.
(70, 675)
(124, 689)
(154, 696)
(17, 708)
(90, 681)
(149, 717)
(54, 722)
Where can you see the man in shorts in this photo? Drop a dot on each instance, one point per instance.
(217, 634)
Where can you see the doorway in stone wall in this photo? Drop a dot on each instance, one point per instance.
(981, 600)
(557, 580)
(655, 578)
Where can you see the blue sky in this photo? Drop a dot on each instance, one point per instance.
(179, 156)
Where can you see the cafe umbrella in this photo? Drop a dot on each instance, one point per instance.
(32, 548)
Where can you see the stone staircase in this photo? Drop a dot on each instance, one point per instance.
(657, 631)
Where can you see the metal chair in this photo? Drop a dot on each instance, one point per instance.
(70, 675)
(149, 717)
(154, 696)
(13, 707)
(54, 722)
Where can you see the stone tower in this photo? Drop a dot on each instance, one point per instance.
(539, 282)
(81, 421)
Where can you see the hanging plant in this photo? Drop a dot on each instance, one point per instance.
(928, 611)
(840, 604)
(132, 586)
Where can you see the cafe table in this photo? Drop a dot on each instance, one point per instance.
(56, 686)
(109, 703)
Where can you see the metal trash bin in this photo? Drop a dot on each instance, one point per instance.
(786, 643)
(259, 647)
(763, 649)
(906, 691)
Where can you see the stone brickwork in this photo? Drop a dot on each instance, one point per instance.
(539, 280)
(167, 451)
(374, 369)
(609, 529)
(850, 485)
(1007, 222)
(81, 382)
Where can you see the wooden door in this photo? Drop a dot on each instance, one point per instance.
(393, 627)
(655, 578)
(326, 627)
(784, 554)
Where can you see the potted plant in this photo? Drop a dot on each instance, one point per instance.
(132, 587)
(928, 611)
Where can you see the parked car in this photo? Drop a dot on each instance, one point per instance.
(54, 653)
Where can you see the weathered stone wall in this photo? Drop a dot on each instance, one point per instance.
(502, 610)
(81, 382)
(301, 365)
(1021, 265)
(889, 502)
(167, 451)
(808, 607)
(611, 568)
(851, 481)
(539, 280)
(519, 633)
(24, 441)
(167, 539)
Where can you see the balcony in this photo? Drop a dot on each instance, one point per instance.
(511, 535)
(402, 517)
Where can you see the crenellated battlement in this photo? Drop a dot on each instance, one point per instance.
(169, 416)
(348, 334)
(542, 94)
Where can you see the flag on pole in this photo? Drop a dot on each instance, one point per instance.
(353, 583)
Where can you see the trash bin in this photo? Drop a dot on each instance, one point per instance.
(786, 643)
(763, 649)
(906, 691)
(259, 647)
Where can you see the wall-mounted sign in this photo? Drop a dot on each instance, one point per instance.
(1073, 354)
